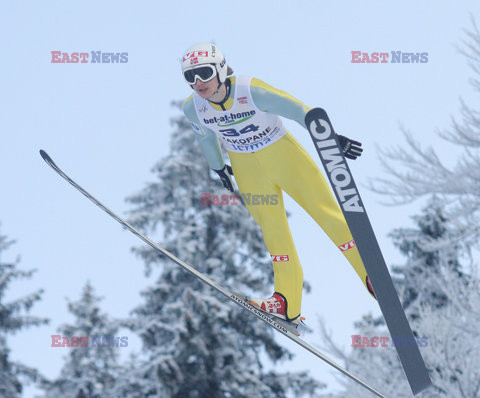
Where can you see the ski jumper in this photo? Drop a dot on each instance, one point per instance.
(266, 160)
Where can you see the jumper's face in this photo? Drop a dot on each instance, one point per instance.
(205, 89)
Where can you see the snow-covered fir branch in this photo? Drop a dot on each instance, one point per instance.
(14, 318)
(415, 172)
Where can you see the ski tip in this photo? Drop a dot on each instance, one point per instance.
(315, 113)
(44, 155)
(47, 158)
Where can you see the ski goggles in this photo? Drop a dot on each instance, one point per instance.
(205, 73)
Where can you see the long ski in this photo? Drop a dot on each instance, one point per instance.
(346, 192)
(239, 299)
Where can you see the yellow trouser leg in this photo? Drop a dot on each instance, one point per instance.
(285, 165)
(288, 274)
(290, 167)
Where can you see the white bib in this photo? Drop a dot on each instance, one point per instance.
(244, 127)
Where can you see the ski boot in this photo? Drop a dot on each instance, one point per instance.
(276, 306)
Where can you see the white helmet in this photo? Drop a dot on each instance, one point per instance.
(208, 62)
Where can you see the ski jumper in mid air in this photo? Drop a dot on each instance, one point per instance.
(242, 114)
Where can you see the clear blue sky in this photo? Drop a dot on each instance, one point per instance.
(107, 124)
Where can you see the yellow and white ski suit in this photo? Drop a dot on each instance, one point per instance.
(266, 160)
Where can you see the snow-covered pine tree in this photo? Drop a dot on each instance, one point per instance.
(414, 172)
(90, 368)
(431, 249)
(197, 343)
(439, 298)
(13, 318)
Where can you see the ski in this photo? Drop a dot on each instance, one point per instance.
(346, 192)
(237, 298)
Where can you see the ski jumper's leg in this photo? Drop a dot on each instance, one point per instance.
(252, 178)
(298, 175)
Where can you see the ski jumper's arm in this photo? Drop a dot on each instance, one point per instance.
(271, 100)
(206, 138)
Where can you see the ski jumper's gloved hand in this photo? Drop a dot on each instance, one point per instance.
(225, 175)
(351, 148)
